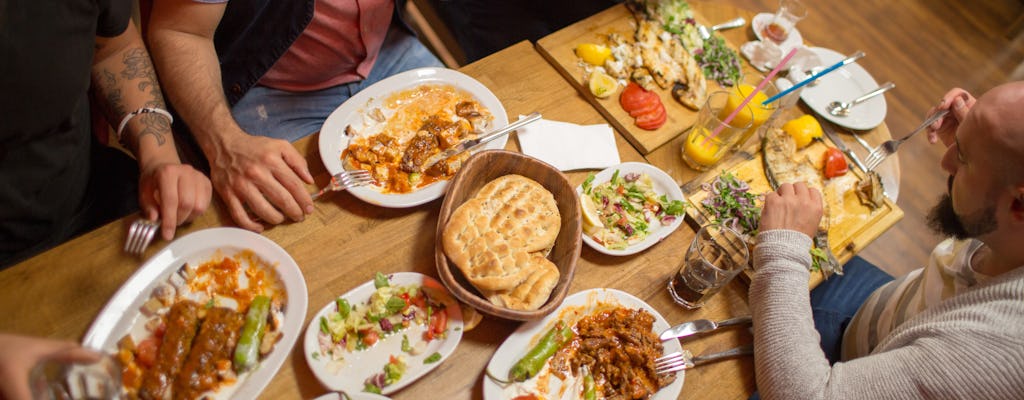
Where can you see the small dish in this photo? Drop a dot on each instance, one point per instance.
(584, 302)
(763, 19)
(349, 375)
(845, 84)
(663, 184)
(477, 171)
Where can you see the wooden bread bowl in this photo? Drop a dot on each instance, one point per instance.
(477, 171)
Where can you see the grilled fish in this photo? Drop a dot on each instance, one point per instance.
(782, 166)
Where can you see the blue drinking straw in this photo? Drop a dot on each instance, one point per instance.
(856, 56)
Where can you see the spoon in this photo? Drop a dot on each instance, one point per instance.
(841, 109)
(705, 33)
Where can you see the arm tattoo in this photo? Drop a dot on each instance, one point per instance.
(138, 66)
(109, 90)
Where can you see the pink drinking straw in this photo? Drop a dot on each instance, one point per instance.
(750, 97)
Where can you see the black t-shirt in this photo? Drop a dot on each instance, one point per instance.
(46, 55)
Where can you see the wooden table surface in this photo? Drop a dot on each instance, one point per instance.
(59, 293)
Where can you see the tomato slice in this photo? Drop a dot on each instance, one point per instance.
(634, 97)
(646, 108)
(835, 163)
(146, 351)
(653, 120)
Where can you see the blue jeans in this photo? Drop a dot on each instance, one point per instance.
(291, 116)
(836, 300)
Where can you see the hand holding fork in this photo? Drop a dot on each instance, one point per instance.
(887, 148)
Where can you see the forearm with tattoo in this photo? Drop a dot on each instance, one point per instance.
(127, 84)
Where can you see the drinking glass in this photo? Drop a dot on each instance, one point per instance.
(784, 21)
(760, 113)
(703, 148)
(714, 258)
(59, 377)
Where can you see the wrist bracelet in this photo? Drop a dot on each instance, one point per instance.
(143, 110)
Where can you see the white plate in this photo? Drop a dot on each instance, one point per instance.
(359, 365)
(122, 312)
(845, 84)
(763, 19)
(352, 396)
(333, 139)
(523, 338)
(663, 184)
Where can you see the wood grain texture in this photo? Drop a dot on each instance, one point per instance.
(476, 172)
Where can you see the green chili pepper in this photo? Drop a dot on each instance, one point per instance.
(247, 352)
(589, 388)
(534, 360)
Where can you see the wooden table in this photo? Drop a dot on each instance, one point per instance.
(58, 293)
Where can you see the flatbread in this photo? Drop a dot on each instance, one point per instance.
(495, 238)
(533, 292)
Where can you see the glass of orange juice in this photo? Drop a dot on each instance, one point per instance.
(703, 147)
(760, 113)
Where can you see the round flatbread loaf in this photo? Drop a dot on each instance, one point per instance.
(533, 292)
(490, 236)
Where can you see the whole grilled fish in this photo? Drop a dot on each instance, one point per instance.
(781, 166)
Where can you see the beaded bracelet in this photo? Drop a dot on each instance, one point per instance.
(143, 110)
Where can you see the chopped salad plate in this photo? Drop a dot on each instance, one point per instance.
(662, 184)
(350, 371)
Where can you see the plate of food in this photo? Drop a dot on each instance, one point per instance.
(212, 315)
(384, 334)
(573, 334)
(392, 127)
(629, 207)
(845, 84)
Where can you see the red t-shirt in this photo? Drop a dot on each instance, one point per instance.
(338, 46)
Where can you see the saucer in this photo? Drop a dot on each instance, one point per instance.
(763, 19)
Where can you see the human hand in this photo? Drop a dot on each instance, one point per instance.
(173, 192)
(266, 176)
(793, 206)
(18, 354)
(958, 102)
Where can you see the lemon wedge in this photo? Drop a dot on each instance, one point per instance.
(593, 54)
(591, 219)
(602, 85)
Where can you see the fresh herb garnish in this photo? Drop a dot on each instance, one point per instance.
(433, 358)
(731, 204)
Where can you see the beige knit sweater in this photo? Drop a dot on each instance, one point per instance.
(970, 346)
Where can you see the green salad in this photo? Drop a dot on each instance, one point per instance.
(625, 210)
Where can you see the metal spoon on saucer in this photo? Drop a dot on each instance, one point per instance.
(841, 109)
(705, 33)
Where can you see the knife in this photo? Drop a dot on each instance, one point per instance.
(702, 326)
(830, 131)
(487, 137)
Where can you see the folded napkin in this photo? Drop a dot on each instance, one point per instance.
(569, 146)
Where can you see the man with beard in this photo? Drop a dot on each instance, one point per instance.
(953, 329)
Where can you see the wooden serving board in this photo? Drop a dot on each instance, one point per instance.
(559, 49)
(852, 225)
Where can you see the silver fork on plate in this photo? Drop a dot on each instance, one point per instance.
(345, 180)
(140, 234)
(889, 147)
(679, 361)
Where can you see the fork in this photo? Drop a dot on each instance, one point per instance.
(345, 180)
(679, 361)
(140, 234)
(889, 147)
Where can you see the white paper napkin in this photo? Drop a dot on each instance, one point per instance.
(569, 146)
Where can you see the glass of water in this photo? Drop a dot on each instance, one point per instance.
(715, 256)
(62, 377)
